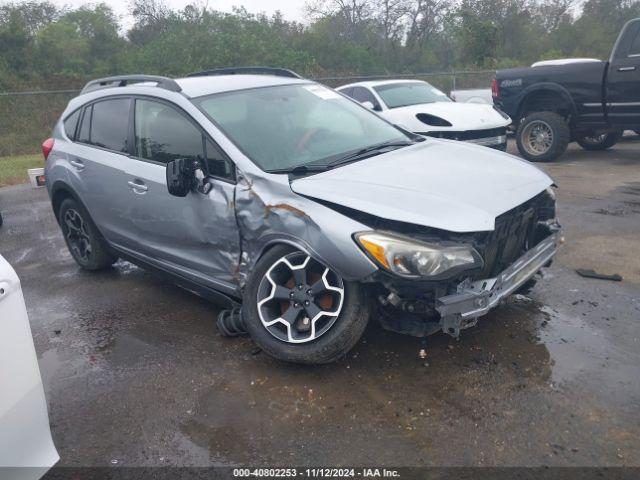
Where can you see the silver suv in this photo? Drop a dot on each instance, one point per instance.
(260, 188)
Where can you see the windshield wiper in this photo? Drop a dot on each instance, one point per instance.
(301, 169)
(350, 157)
(368, 152)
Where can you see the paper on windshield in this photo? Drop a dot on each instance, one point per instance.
(322, 92)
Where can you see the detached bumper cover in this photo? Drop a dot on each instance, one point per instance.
(474, 299)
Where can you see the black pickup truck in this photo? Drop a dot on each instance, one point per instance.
(590, 102)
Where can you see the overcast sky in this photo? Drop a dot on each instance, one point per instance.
(291, 9)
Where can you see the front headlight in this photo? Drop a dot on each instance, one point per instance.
(413, 259)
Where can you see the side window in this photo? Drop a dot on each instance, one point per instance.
(71, 123)
(347, 91)
(635, 45)
(163, 134)
(85, 128)
(109, 124)
(361, 94)
(217, 164)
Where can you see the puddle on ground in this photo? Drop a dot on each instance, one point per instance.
(193, 454)
(49, 363)
(578, 351)
(55, 368)
(520, 351)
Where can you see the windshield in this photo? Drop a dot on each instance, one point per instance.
(289, 126)
(410, 93)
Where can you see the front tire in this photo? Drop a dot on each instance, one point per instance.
(86, 245)
(298, 310)
(542, 136)
(599, 142)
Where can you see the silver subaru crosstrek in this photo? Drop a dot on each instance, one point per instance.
(266, 190)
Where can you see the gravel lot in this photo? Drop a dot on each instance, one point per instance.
(137, 375)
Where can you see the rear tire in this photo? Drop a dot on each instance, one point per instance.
(86, 245)
(599, 142)
(265, 308)
(542, 136)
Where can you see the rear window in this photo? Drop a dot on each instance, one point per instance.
(71, 123)
(109, 124)
(362, 95)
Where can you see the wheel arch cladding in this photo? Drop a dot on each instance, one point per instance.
(269, 214)
(546, 97)
(60, 191)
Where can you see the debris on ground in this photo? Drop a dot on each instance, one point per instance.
(584, 272)
(230, 323)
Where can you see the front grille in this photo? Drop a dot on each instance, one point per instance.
(516, 231)
(508, 241)
(468, 135)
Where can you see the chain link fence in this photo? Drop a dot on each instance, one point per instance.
(26, 118)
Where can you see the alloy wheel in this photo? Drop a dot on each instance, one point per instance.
(299, 299)
(77, 235)
(537, 138)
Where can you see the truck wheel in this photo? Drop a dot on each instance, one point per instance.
(86, 245)
(298, 310)
(542, 136)
(599, 142)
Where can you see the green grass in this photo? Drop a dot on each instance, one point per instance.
(13, 170)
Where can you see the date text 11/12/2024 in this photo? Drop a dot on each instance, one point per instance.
(316, 473)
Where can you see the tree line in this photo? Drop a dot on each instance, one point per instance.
(42, 45)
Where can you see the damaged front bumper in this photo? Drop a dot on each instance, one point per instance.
(473, 299)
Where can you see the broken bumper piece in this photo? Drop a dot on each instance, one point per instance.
(474, 299)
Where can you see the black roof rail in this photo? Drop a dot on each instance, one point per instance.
(278, 72)
(124, 80)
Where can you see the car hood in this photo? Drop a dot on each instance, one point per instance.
(441, 184)
(462, 116)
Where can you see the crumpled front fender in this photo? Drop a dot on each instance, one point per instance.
(269, 213)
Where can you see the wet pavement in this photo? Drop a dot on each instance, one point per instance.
(136, 374)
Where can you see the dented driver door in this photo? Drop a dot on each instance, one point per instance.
(195, 236)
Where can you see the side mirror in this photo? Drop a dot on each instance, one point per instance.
(368, 104)
(180, 177)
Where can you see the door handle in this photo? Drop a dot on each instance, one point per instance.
(77, 164)
(139, 188)
(627, 69)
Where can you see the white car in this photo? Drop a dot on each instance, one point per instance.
(421, 108)
(26, 447)
(475, 95)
